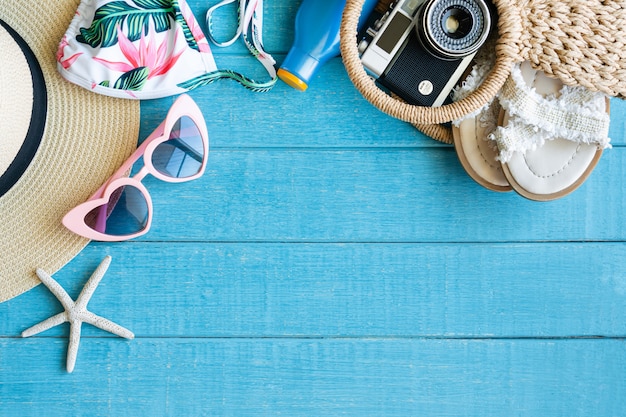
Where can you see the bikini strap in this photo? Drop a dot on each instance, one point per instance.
(250, 24)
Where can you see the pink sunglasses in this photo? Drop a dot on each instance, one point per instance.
(121, 209)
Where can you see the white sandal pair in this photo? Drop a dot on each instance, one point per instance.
(538, 137)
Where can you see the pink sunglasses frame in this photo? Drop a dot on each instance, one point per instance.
(74, 220)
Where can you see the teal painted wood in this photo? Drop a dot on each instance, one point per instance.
(345, 290)
(330, 114)
(387, 195)
(316, 377)
(334, 261)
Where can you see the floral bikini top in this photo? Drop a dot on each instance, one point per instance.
(145, 49)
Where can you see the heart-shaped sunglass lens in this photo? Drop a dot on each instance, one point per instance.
(182, 155)
(126, 213)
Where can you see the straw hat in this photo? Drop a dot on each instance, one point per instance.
(58, 143)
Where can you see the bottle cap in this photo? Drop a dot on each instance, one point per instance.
(298, 68)
(292, 80)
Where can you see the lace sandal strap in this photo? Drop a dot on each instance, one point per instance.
(578, 114)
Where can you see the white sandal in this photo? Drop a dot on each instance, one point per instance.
(476, 153)
(551, 136)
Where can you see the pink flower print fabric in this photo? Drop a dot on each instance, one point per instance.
(138, 49)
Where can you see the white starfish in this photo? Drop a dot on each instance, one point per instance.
(76, 312)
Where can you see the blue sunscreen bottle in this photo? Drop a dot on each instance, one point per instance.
(316, 39)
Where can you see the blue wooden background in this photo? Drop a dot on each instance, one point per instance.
(334, 261)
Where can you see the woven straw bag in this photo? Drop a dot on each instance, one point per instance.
(581, 42)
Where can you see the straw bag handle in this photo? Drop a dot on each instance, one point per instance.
(428, 119)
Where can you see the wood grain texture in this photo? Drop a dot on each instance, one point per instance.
(303, 376)
(345, 290)
(330, 114)
(334, 261)
(389, 195)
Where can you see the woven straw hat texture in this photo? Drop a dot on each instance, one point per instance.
(86, 137)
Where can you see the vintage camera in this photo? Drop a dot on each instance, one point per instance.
(419, 49)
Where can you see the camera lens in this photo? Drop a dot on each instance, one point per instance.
(453, 29)
(456, 23)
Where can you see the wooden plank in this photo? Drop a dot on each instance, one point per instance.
(393, 195)
(345, 290)
(298, 377)
(330, 114)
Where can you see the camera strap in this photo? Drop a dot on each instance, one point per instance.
(250, 25)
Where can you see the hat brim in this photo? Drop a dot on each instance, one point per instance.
(86, 137)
